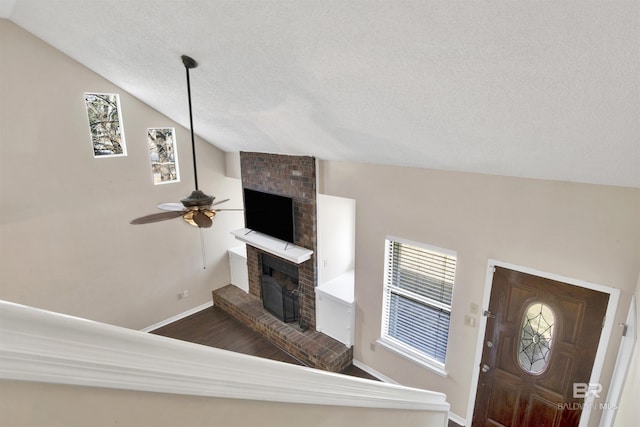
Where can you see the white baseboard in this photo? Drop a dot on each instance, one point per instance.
(370, 370)
(457, 419)
(177, 317)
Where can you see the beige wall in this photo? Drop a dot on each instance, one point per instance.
(34, 405)
(585, 232)
(65, 239)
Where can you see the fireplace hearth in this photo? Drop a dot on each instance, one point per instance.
(311, 347)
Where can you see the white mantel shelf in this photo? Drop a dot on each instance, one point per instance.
(277, 247)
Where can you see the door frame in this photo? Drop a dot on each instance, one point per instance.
(605, 335)
(621, 368)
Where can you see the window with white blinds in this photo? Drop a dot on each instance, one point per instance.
(418, 287)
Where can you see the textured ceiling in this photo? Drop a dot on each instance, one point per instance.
(545, 90)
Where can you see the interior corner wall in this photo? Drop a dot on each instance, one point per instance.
(585, 232)
(66, 244)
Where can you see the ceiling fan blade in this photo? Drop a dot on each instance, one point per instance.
(171, 206)
(202, 219)
(221, 201)
(162, 216)
(218, 210)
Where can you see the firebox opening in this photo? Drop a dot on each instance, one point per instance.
(279, 284)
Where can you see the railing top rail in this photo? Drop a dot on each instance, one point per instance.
(42, 346)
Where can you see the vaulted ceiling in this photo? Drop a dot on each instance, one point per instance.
(546, 90)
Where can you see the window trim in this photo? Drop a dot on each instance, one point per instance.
(393, 344)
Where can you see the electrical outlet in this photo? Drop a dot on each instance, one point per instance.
(373, 346)
(184, 294)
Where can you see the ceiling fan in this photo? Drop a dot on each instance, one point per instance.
(197, 208)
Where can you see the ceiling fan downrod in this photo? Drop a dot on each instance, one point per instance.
(197, 197)
(191, 63)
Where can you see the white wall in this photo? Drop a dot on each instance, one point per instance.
(585, 232)
(65, 240)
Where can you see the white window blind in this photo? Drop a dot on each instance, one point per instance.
(417, 298)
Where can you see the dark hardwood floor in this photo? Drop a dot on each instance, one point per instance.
(215, 328)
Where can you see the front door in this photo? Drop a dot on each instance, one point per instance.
(541, 339)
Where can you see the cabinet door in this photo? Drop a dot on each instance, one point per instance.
(334, 317)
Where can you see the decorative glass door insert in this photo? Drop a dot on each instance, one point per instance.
(536, 338)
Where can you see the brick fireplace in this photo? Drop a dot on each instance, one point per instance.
(295, 177)
(291, 176)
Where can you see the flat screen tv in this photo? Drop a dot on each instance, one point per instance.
(270, 214)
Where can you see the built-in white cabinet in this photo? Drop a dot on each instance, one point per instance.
(238, 267)
(335, 308)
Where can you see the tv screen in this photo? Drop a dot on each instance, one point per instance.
(270, 214)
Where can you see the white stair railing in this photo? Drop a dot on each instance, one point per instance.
(42, 346)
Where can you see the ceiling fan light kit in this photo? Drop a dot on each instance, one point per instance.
(196, 208)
